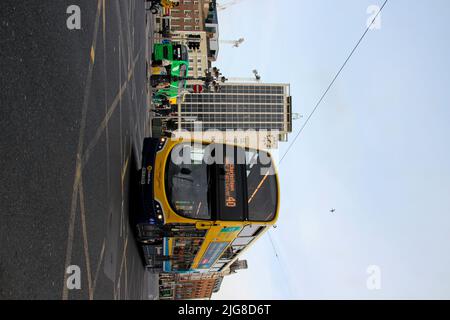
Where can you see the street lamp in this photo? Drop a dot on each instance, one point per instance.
(257, 76)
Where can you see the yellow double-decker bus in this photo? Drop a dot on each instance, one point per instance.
(203, 204)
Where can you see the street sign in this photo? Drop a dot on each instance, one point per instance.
(197, 88)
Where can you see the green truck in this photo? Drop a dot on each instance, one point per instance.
(169, 60)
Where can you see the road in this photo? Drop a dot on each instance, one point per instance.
(73, 116)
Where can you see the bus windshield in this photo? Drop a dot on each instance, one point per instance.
(241, 187)
(187, 184)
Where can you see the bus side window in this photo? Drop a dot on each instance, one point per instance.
(242, 241)
(251, 231)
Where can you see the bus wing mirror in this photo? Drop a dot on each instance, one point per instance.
(203, 225)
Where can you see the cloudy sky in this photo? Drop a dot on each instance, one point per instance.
(377, 149)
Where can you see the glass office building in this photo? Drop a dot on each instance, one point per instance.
(239, 106)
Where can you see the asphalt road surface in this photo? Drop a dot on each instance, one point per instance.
(73, 117)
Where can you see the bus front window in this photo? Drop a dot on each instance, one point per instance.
(187, 184)
(242, 187)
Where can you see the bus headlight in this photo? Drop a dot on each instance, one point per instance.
(159, 212)
(161, 143)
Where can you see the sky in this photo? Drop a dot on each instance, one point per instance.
(376, 150)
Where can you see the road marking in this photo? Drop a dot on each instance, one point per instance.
(78, 166)
(70, 237)
(105, 78)
(123, 257)
(92, 54)
(134, 116)
(120, 120)
(104, 18)
(120, 106)
(126, 281)
(122, 213)
(124, 169)
(107, 117)
(102, 253)
(85, 239)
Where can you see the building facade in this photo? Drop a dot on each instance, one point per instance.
(188, 16)
(194, 16)
(188, 286)
(193, 21)
(212, 30)
(198, 59)
(247, 114)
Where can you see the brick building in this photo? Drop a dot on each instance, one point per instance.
(193, 21)
(189, 15)
(188, 286)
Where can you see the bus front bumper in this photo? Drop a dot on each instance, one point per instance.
(152, 211)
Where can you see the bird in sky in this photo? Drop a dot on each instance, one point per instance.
(332, 210)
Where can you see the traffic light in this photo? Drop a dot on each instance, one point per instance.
(194, 45)
(194, 41)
